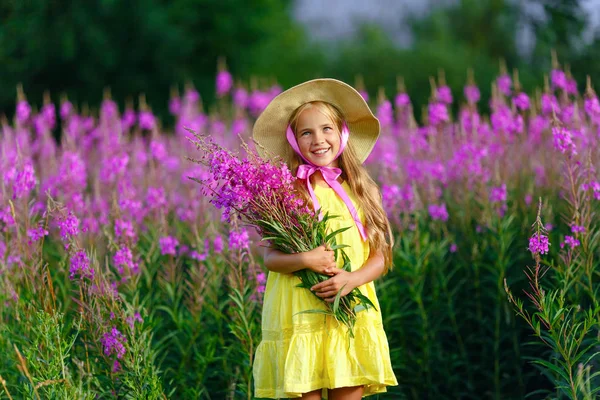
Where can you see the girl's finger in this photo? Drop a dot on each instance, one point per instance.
(331, 293)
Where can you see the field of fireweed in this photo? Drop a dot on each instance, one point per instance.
(119, 279)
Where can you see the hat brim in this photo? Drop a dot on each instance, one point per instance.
(270, 127)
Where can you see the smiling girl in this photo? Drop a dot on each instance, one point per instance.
(325, 130)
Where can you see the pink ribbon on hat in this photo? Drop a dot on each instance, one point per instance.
(330, 174)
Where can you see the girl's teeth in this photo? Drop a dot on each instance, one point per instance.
(321, 151)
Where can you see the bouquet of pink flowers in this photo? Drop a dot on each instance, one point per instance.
(262, 194)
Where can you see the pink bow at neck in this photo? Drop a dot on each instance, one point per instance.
(330, 174)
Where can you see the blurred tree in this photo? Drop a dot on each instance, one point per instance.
(137, 45)
(560, 28)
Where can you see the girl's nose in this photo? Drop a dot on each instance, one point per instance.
(318, 137)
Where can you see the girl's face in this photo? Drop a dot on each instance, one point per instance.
(318, 138)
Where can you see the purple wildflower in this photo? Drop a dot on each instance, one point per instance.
(114, 167)
(472, 94)
(559, 79)
(385, 113)
(116, 367)
(591, 106)
(136, 318)
(224, 83)
(563, 140)
(24, 181)
(168, 245)
(147, 120)
(23, 111)
(114, 343)
(197, 256)
(438, 212)
(128, 119)
(192, 96)
(124, 229)
(239, 240)
(68, 225)
(80, 264)
(158, 150)
(156, 198)
(175, 105)
(438, 113)
(498, 194)
(572, 86)
(577, 228)
(444, 94)
(124, 258)
(521, 101)
(108, 109)
(36, 234)
(539, 243)
(504, 84)
(240, 97)
(570, 241)
(549, 103)
(218, 244)
(261, 279)
(49, 115)
(66, 108)
(402, 100)
(258, 101)
(595, 186)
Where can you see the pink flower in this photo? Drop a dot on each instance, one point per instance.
(570, 241)
(472, 94)
(239, 240)
(240, 97)
(559, 79)
(402, 100)
(444, 94)
(224, 83)
(521, 101)
(438, 212)
(114, 343)
(168, 245)
(23, 111)
(563, 140)
(498, 194)
(539, 243)
(80, 265)
(504, 84)
(147, 120)
(438, 114)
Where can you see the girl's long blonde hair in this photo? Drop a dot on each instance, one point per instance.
(365, 190)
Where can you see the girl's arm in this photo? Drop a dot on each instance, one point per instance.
(372, 269)
(346, 281)
(320, 260)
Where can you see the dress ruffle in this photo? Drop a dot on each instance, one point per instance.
(323, 356)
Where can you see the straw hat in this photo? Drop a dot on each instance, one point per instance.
(270, 127)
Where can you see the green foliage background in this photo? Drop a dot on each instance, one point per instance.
(136, 46)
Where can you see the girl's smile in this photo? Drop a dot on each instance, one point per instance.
(318, 138)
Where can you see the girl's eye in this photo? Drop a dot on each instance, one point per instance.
(305, 133)
(327, 128)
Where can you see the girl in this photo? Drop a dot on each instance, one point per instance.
(325, 130)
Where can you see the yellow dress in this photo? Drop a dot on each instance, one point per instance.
(305, 352)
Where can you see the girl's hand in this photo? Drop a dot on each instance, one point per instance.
(328, 289)
(321, 260)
